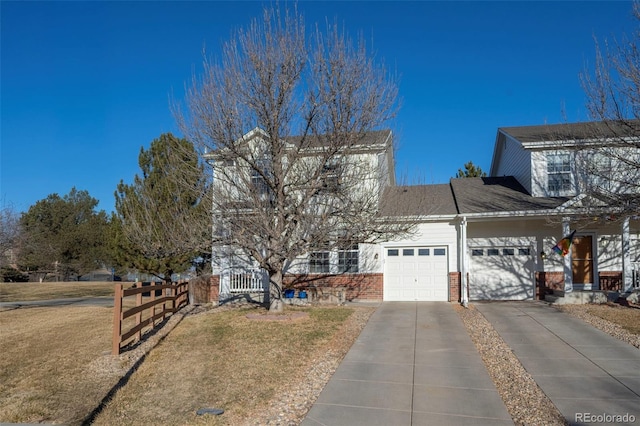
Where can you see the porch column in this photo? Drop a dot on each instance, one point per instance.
(568, 272)
(627, 270)
(224, 271)
(464, 268)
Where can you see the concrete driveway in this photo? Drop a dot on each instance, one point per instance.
(413, 364)
(590, 376)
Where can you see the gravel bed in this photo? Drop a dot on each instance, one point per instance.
(580, 311)
(526, 402)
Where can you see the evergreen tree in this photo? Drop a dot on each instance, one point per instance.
(63, 236)
(470, 170)
(163, 217)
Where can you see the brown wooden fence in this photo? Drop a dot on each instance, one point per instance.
(153, 304)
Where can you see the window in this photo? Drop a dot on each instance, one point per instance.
(407, 252)
(393, 252)
(330, 177)
(493, 252)
(477, 252)
(319, 262)
(508, 252)
(524, 252)
(423, 252)
(439, 252)
(601, 173)
(558, 173)
(257, 179)
(348, 259)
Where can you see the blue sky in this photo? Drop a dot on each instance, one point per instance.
(85, 85)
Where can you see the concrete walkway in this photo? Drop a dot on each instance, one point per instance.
(585, 372)
(413, 364)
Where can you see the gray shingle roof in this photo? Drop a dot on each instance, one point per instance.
(463, 196)
(497, 194)
(418, 200)
(573, 131)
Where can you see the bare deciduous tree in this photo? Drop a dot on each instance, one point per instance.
(9, 234)
(290, 124)
(609, 150)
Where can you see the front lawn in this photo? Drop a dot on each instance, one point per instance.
(222, 359)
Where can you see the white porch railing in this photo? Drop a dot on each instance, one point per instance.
(635, 280)
(247, 281)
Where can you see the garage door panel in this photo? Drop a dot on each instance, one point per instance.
(501, 273)
(416, 274)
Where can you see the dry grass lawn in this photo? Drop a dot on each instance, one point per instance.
(626, 317)
(224, 360)
(56, 367)
(13, 292)
(46, 363)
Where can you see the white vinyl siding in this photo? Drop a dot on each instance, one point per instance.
(441, 234)
(514, 161)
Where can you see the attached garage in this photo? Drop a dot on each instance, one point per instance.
(501, 273)
(416, 273)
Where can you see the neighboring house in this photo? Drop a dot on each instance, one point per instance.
(492, 236)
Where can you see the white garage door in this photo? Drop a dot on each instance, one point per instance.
(416, 273)
(501, 273)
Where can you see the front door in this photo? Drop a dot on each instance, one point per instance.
(582, 260)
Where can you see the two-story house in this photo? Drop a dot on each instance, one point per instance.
(492, 238)
(322, 191)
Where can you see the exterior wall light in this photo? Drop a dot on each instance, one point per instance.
(543, 255)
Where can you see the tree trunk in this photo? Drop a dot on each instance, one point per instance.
(276, 306)
(167, 276)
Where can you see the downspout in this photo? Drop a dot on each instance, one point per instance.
(627, 272)
(568, 271)
(464, 284)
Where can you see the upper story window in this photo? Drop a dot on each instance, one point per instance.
(602, 175)
(257, 178)
(558, 173)
(330, 177)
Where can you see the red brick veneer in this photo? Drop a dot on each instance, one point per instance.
(454, 286)
(214, 291)
(546, 282)
(359, 286)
